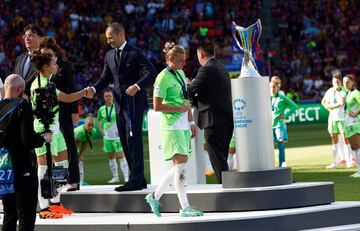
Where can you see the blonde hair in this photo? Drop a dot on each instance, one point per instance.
(171, 50)
(89, 118)
(277, 80)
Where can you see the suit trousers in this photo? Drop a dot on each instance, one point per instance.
(218, 140)
(133, 145)
(21, 205)
(67, 129)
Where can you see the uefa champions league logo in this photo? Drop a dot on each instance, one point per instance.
(239, 104)
(240, 119)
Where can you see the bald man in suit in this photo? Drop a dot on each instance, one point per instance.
(131, 73)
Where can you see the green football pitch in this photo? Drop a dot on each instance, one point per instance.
(308, 152)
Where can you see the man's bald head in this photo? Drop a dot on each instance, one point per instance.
(14, 86)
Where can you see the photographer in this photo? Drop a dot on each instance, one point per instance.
(46, 66)
(19, 137)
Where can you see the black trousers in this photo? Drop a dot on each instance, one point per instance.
(218, 140)
(133, 145)
(21, 205)
(67, 129)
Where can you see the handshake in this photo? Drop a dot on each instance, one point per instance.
(89, 92)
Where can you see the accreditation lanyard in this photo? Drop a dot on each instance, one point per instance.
(273, 101)
(346, 96)
(39, 81)
(108, 114)
(180, 80)
(334, 100)
(88, 138)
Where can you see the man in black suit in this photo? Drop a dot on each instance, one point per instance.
(211, 90)
(23, 66)
(131, 73)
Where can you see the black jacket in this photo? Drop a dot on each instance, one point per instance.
(211, 89)
(30, 75)
(65, 81)
(134, 69)
(20, 137)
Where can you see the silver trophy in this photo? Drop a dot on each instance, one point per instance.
(247, 41)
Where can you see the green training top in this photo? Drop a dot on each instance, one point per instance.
(278, 104)
(107, 116)
(167, 86)
(80, 134)
(352, 104)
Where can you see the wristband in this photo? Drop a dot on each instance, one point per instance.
(192, 122)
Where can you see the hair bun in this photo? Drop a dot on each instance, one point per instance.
(168, 46)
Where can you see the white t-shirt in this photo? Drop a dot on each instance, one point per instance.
(333, 96)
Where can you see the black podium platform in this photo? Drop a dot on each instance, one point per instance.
(209, 198)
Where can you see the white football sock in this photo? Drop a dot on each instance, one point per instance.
(124, 168)
(179, 182)
(231, 161)
(164, 183)
(81, 171)
(347, 152)
(335, 149)
(114, 168)
(357, 153)
(43, 203)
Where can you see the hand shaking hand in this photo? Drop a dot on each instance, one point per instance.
(131, 91)
(89, 92)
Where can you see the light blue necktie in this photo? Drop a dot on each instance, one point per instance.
(26, 66)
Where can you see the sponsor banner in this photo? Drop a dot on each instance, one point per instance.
(308, 114)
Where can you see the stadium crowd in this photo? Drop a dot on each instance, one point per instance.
(314, 39)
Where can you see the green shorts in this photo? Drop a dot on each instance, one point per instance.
(175, 142)
(336, 127)
(352, 130)
(57, 145)
(111, 146)
(232, 142)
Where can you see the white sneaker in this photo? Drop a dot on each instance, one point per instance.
(331, 166)
(283, 164)
(113, 180)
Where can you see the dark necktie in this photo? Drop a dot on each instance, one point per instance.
(117, 57)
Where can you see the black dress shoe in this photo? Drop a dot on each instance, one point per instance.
(73, 187)
(128, 187)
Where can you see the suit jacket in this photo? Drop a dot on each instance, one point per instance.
(65, 81)
(30, 75)
(211, 89)
(134, 68)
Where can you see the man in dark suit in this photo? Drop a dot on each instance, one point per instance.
(23, 66)
(131, 73)
(211, 90)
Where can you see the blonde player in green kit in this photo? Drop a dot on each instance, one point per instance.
(352, 118)
(84, 134)
(106, 118)
(176, 128)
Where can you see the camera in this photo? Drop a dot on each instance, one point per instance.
(50, 184)
(46, 107)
